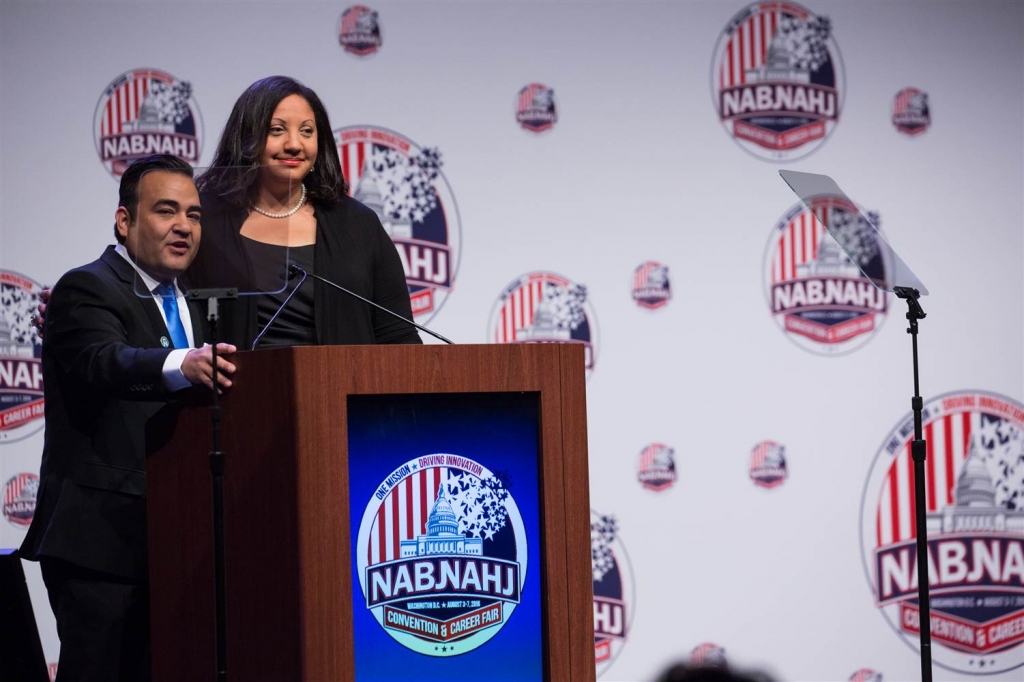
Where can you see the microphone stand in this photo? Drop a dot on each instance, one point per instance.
(212, 297)
(294, 268)
(919, 451)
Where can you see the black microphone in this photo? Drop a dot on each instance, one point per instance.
(294, 268)
(291, 273)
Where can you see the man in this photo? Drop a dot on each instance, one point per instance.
(119, 343)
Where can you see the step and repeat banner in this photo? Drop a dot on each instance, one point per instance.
(606, 173)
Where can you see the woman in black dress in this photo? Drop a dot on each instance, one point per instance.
(275, 193)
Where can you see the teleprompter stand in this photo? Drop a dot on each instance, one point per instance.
(212, 298)
(887, 271)
(919, 451)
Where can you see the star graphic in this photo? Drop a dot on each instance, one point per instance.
(1007, 431)
(988, 432)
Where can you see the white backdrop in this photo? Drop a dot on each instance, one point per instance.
(636, 168)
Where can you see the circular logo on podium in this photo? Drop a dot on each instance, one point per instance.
(442, 555)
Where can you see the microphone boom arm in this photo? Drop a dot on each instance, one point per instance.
(297, 269)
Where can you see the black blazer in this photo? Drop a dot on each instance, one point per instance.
(352, 249)
(102, 381)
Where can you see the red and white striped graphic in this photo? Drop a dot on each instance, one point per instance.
(949, 439)
(748, 46)
(902, 101)
(517, 310)
(642, 275)
(350, 17)
(19, 505)
(403, 514)
(649, 454)
(866, 675)
(16, 485)
(797, 243)
(708, 654)
(761, 452)
(353, 161)
(527, 94)
(123, 104)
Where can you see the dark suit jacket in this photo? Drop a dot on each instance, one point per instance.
(102, 381)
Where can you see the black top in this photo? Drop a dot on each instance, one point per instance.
(295, 324)
(352, 249)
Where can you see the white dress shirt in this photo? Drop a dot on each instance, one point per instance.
(174, 380)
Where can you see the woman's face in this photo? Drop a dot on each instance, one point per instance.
(291, 143)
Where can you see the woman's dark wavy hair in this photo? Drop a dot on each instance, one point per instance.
(234, 176)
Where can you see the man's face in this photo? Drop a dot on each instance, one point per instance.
(164, 237)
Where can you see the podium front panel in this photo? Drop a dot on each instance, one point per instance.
(444, 497)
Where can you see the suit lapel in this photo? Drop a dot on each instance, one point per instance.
(126, 273)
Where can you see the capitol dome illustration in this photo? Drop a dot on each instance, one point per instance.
(545, 326)
(831, 261)
(975, 508)
(368, 193)
(777, 67)
(443, 536)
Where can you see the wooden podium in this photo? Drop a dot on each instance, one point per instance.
(286, 492)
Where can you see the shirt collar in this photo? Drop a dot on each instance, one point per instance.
(151, 284)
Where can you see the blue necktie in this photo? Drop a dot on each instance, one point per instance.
(170, 301)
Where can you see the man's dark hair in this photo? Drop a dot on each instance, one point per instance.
(234, 173)
(129, 192)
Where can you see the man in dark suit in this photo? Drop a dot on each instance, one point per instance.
(120, 340)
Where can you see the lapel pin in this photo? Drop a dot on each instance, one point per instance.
(165, 342)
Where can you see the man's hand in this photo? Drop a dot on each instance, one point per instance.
(198, 366)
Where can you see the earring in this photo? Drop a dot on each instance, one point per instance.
(312, 168)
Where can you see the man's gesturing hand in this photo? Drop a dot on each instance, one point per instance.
(198, 366)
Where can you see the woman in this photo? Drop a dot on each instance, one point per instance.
(275, 193)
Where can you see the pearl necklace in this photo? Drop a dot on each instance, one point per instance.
(302, 200)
